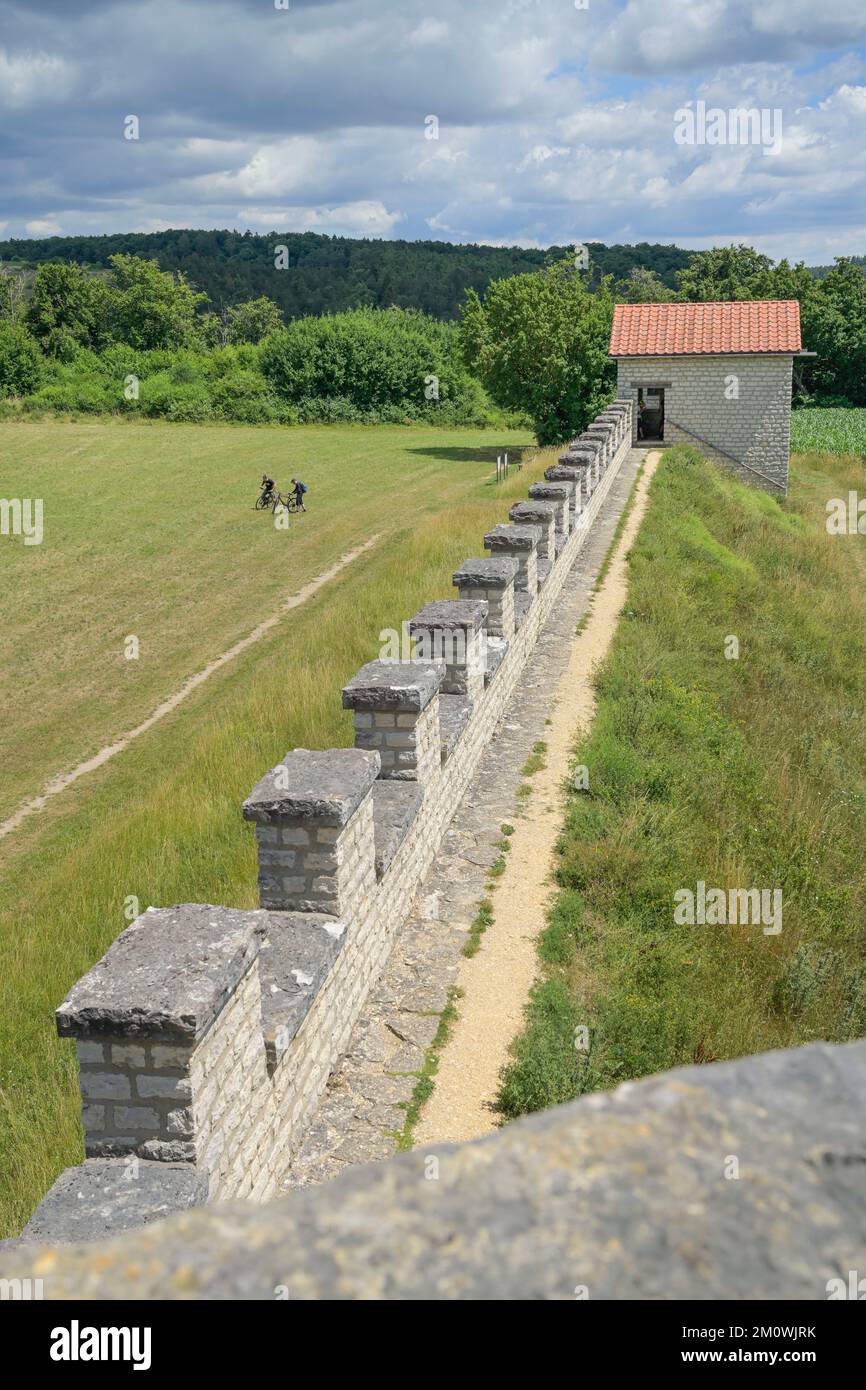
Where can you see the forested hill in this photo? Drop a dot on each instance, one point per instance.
(820, 271)
(327, 274)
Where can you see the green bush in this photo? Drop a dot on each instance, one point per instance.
(370, 363)
(382, 362)
(241, 395)
(21, 362)
(161, 395)
(802, 978)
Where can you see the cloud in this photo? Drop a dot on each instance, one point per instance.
(30, 78)
(42, 226)
(555, 124)
(363, 219)
(687, 35)
(429, 31)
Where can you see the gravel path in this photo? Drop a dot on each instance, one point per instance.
(495, 983)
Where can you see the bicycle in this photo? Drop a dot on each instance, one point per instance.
(265, 498)
(286, 500)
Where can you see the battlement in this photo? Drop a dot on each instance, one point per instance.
(206, 1035)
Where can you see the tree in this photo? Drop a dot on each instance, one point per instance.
(213, 329)
(539, 344)
(834, 327)
(254, 320)
(149, 307)
(642, 286)
(66, 309)
(21, 361)
(725, 272)
(14, 283)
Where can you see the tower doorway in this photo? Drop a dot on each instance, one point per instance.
(651, 413)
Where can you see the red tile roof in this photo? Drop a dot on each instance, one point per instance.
(667, 330)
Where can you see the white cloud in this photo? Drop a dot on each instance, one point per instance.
(31, 79)
(42, 226)
(429, 31)
(539, 154)
(366, 218)
(315, 119)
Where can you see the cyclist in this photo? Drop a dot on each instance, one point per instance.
(298, 490)
(267, 485)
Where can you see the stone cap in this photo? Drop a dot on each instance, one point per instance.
(493, 572)
(167, 976)
(583, 454)
(96, 1199)
(408, 686)
(543, 512)
(322, 786)
(559, 490)
(600, 427)
(469, 614)
(566, 472)
(513, 538)
(623, 1186)
(296, 958)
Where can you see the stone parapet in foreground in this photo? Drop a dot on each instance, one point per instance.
(628, 1194)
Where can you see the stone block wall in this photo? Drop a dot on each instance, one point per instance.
(627, 1192)
(735, 409)
(208, 1034)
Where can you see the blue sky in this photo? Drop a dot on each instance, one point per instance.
(555, 123)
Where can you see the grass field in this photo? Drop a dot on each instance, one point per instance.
(742, 773)
(150, 531)
(833, 431)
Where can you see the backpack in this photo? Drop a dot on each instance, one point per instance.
(302, 488)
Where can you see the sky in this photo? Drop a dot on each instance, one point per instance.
(511, 122)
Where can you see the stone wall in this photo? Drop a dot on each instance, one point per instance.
(737, 1181)
(206, 1035)
(750, 428)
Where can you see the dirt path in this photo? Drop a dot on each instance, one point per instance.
(496, 982)
(65, 779)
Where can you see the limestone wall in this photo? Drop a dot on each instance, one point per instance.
(739, 404)
(206, 1035)
(629, 1194)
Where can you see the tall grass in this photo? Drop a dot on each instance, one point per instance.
(743, 773)
(162, 822)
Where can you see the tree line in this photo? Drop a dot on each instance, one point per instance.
(130, 337)
(319, 274)
(138, 340)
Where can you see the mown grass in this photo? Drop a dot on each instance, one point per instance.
(741, 773)
(161, 823)
(835, 431)
(150, 531)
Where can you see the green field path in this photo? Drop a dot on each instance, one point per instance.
(150, 531)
